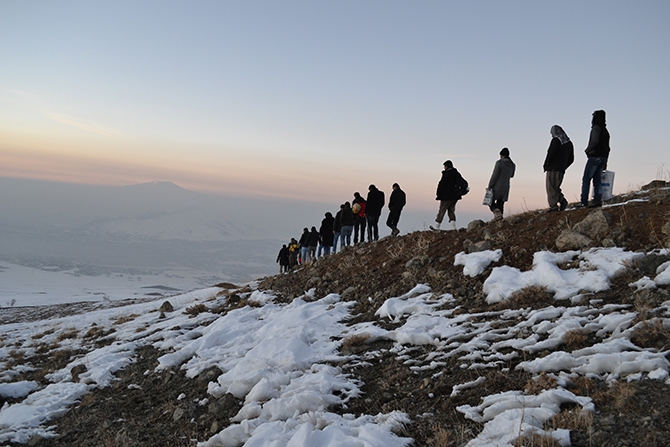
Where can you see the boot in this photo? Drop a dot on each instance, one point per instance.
(436, 226)
(497, 215)
(452, 225)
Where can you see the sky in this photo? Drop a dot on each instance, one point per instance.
(315, 100)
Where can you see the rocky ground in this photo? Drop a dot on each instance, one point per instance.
(629, 414)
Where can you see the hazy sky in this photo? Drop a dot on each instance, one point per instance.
(316, 99)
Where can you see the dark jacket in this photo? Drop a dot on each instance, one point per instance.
(599, 142)
(499, 182)
(337, 224)
(375, 202)
(559, 156)
(326, 231)
(282, 257)
(304, 238)
(446, 189)
(397, 200)
(347, 217)
(313, 238)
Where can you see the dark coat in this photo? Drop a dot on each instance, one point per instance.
(282, 257)
(313, 238)
(347, 217)
(499, 182)
(599, 142)
(446, 189)
(337, 225)
(326, 231)
(559, 156)
(375, 202)
(304, 238)
(397, 200)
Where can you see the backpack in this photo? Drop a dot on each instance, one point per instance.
(461, 185)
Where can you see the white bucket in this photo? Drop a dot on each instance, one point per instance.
(607, 184)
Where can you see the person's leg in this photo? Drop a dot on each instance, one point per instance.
(589, 171)
(326, 251)
(550, 184)
(336, 237)
(597, 180)
(444, 204)
(451, 210)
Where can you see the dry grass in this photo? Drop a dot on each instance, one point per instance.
(576, 339)
(68, 334)
(651, 334)
(43, 334)
(620, 396)
(536, 440)
(573, 419)
(535, 297)
(196, 309)
(540, 383)
(352, 341)
(125, 319)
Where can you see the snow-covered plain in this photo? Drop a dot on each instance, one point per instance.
(278, 358)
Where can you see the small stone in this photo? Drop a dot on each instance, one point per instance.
(166, 307)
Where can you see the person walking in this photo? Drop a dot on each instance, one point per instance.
(448, 195)
(283, 259)
(375, 205)
(560, 155)
(293, 249)
(396, 204)
(598, 152)
(304, 247)
(337, 228)
(347, 225)
(313, 240)
(326, 233)
(499, 183)
(358, 206)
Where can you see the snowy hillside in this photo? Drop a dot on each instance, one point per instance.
(479, 337)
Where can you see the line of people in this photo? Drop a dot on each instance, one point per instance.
(353, 218)
(560, 156)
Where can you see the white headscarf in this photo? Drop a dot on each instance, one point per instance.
(558, 132)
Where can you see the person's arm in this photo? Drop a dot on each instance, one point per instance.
(594, 138)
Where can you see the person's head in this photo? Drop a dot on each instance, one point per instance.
(284, 246)
(305, 230)
(347, 205)
(342, 206)
(557, 131)
(372, 188)
(396, 186)
(598, 118)
(313, 228)
(448, 164)
(357, 195)
(504, 152)
(329, 215)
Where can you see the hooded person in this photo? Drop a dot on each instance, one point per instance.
(396, 204)
(560, 155)
(326, 233)
(448, 195)
(598, 152)
(499, 183)
(375, 205)
(347, 224)
(358, 206)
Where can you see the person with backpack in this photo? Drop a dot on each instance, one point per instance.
(499, 183)
(293, 249)
(358, 206)
(560, 155)
(396, 204)
(374, 207)
(450, 189)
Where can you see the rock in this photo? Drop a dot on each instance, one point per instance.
(416, 263)
(595, 225)
(313, 281)
(348, 294)
(178, 413)
(479, 246)
(214, 428)
(475, 225)
(221, 405)
(572, 240)
(650, 298)
(76, 371)
(608, 243)
(166, 307)
(209, 375)
(649, 263)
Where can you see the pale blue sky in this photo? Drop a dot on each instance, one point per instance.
(315, 99)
